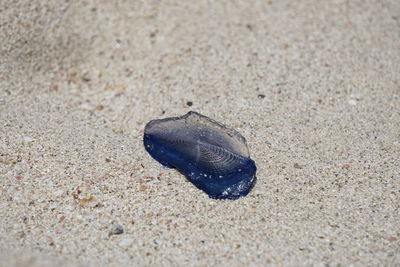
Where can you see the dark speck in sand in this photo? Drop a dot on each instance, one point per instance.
(261, 96)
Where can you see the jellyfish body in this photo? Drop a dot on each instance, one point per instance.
(213, 157)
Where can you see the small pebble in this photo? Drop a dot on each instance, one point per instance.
(99, 107)
(352, 102)
(116, 229)
(189, 103)
(58, 193)
(28, 139)
(126, 242)
(86, 106)
(86, 77)
(297, 166)
(157, 241)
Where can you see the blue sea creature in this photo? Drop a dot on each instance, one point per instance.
(213, 157)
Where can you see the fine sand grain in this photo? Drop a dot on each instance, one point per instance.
(313, 85)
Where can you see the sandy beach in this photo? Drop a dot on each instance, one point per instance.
(314, 87)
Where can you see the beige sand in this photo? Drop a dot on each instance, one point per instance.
(79, 80)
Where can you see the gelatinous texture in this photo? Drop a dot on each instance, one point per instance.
(213, 157)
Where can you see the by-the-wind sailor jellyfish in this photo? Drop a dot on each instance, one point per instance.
(213, 157)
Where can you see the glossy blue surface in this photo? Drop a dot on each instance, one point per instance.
(213, 157)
